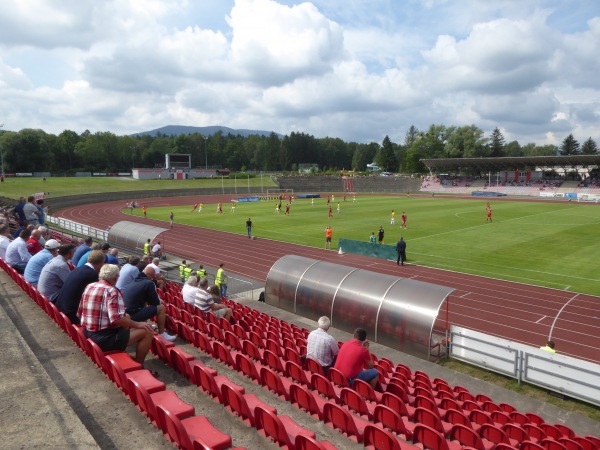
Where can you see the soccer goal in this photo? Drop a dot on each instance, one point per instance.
(275, 194)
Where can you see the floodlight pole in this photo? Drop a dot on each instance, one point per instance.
(205, 153)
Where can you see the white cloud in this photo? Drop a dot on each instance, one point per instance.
(355, 69)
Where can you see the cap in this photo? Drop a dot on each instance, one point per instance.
(52, 244)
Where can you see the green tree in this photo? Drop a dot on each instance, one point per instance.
(513, 149)
(411, 136)
(386, 157)
(569, 146)
(497, 144)
(589, 147)
(465, 142)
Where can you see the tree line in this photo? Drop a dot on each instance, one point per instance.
(33, 150)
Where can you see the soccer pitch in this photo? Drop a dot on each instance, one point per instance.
(541, 243)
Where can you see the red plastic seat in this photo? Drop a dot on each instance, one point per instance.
(355, 402)
(276, 384)
(466, 436)
(185, 433)
(551, 444)
(252, 350)
(314, 366)
(160, 347)
(586, 443)
(324, 387)
(281, 429)
(224, 354)
(307, 443)
(148, 403)
(290, 354)
(399, 391)
(307, 401)
(389, 419)
(534, 418)
(296, 373)
(367, 391)
(565, 430)
(551, 431)
(427, 438)
(479, 418)
(493, 434)
(427, 417)
(595, 440)
(393, 401)
(120, 378)
(340, 419)
(243, 405)
(376, 438)
(536, 434)
(337, 377)
(248, 367)
(519, 418)
(515, 434)
(455, 417)
(203, 342)
(426, 403)
(211, 384)
(232, 341)
(505, 407)
(570, 444)
(273, 361)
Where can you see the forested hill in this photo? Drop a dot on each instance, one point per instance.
(176, 130)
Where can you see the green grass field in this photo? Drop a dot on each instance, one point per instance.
(546, 244)
(58, 187)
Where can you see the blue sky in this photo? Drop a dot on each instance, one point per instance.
(354, 69)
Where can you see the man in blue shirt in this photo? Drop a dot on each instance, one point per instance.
(39, 260)
(55, 273)
(128, 273)
(82, 250)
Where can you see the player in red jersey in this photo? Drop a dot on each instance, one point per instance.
(404, 217)
(489, 214)
(194, 207)
(330, 212)
(287, 209)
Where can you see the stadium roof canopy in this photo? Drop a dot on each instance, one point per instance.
(512, 163)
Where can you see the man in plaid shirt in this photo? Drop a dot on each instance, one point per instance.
(103, 318)
(321, 346)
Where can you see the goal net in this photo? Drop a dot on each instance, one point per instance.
(276, 194)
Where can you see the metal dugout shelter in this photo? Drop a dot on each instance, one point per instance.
(132, 235)
(396, 312)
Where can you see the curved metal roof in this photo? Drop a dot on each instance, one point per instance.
(511, 163)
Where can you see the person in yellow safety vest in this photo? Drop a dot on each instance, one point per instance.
(201, 272)
(221, 280)
(549, 347)
(147, 246)
(184, 271)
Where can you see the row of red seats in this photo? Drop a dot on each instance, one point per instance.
(163, 407)
(496, 423)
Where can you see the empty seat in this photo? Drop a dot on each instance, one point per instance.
(427, 438)
(184, 433)
(337, 377)
(273, 382)
(515, 434)
(493, 434)
(247, 367)
(376, 438)
(296, 373)
(243, 405)
(148, 403)
(354, 401)
(551, 444)
(570, 444)
(212, 384)
(340, 419)
(314, 366)
(307, 401)
(550, 430)
(389, 419)
(307, 443)
(224, 354)
(466, 436)
(324, 387)
(281, 429)
(367, 391)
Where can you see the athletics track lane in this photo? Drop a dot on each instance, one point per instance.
(519, 312)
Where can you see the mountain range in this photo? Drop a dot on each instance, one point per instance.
(175, 130)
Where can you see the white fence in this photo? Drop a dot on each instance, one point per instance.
(563, 374)
(78, 228)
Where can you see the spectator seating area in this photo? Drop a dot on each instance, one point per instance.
(332, 184)
(409, 410)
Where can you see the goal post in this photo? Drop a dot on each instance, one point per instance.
(276, 194)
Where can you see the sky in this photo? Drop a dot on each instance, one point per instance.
(354, 69)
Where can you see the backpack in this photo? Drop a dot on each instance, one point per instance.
(261, 297)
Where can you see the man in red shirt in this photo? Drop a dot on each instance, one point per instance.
(33, 243)
(354, 359)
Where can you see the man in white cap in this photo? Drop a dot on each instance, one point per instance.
(39, 260)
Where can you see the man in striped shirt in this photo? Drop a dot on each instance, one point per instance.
(205, 302)
(321, 346)
(103, 317)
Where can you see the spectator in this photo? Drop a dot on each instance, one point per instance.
(215, 292)
(31, 212)
(157, 250)
(68, 298)
(321, 346)
(33, 243)
(5, 239)
(190, 289)
(158, 278)
(83, 248)
(142, 302)
(549, 347)
(129, 272)
(354, 359)
(45, 234)
(39, 204)
(104, 320)
(221, 280)
(17, 255)
(206, 304)
(39, 260)
(55, 273)
(18, 212)
(113, 256)
(84, 258)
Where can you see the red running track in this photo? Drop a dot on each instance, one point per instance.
(519, 312)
